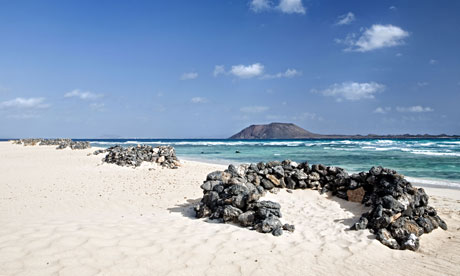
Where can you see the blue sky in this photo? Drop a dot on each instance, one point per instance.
(206, 68)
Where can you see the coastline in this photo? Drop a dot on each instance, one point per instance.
(65, 212)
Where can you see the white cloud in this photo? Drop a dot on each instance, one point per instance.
(353, 91)
(218, 70)
(307, 116)
(382, 110)
(422, 83)
(399, 54)
(254, 109)
(291, 6)
(97, 106)
(247, 71)
(29, 103)
(289, 73)
(345, 19)
(83, 95)
(392, 8)
(378, 36)
(260, 5)
(433, 61)
(189, 76)
(199, 100)
(414, 109)
(284, 6)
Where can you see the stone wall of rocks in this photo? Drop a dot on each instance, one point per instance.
(60, 143)
(398, 216)
(134, 156)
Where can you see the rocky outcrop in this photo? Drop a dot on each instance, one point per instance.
(399, 212)
(273, 131)
(292, 131)
(60, 143)
(165, 156)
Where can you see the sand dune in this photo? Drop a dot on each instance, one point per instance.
(65, 213)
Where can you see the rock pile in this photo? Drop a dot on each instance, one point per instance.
(399, 212)
(134, 156)
(60, 143)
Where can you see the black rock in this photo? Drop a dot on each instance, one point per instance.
(289, 227)
(398, 214)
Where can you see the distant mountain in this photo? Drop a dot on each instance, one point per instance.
(292, 131)
(274, 131)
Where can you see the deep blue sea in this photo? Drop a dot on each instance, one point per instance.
(425, 161)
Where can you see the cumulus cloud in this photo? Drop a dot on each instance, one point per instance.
(284, 6)
(352, 91)
(414, 109)
(254, 70)
(382, 110)
(199, 100)
(247, 71)
(289, 73)
(97, 106)
(345, 19)
(376, 37)
(83, 95)
(260, 5)
(291, 6)
(189, 76)
(218, 70)
(25, 103)
(254, 109)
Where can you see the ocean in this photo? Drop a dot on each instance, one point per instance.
(427, 162)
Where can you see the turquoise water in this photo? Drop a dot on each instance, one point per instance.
(426, 161)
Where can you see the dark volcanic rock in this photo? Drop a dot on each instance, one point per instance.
(273, 131)
(399, 213)
(134, 156)
(60, 143)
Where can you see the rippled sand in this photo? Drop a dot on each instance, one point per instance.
(64, 213)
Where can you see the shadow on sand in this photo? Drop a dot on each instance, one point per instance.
(357, 209)
(186, 209)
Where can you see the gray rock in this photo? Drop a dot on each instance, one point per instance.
(231, 213)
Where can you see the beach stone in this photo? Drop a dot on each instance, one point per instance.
(209, 185)
(290, 183)
(426, 224)
(217, 175)
(277, 232)
(389, 202)
(274, 180)
(267, 184)
(411, 243)
(300, 175)
(384, 236)
(247, 218)
(231, 213)
(269, 224)
(314, 176)
(279, 171)
(289, 227)
(356, 195)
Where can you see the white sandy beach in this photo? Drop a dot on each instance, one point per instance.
(65, 213)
